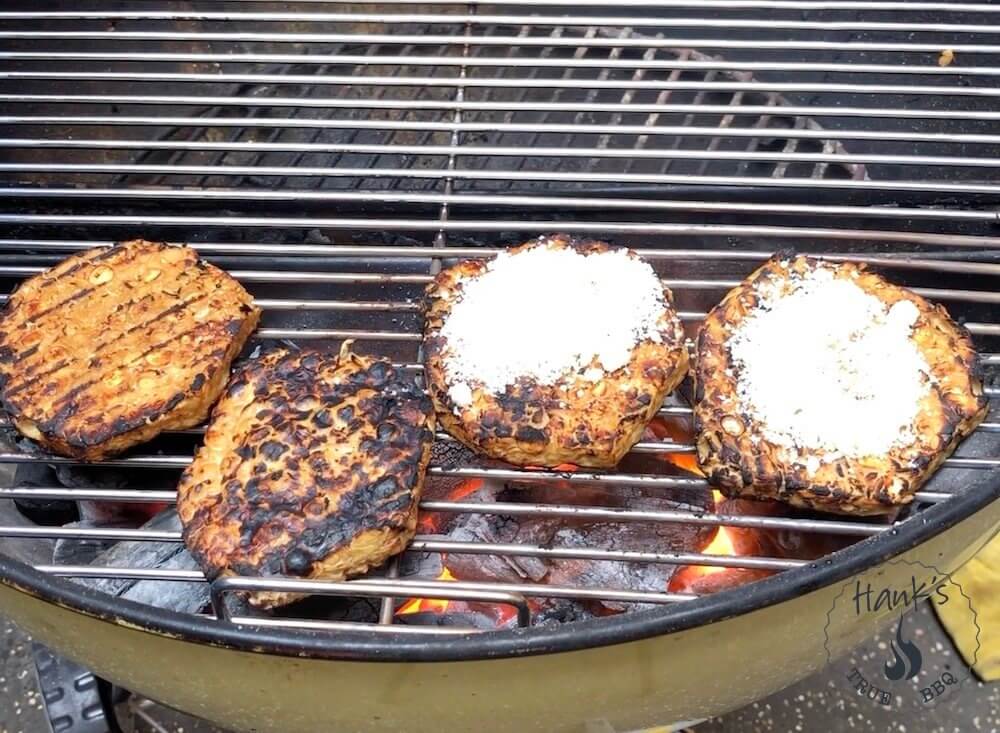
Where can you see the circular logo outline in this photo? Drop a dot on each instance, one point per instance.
(909, 608)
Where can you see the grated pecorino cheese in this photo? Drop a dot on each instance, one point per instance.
(546, 313)
(824, 366)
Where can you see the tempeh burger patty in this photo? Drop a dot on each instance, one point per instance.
(114, 345)
(825, 386)
(557, 351)
(312, 467)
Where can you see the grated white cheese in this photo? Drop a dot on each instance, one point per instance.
(548, 313)
(825, 366)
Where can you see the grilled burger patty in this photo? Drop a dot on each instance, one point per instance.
(312, 467)
(115, 345)
(743, 455)
(587, 417)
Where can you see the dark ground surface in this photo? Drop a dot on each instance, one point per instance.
(824, 702)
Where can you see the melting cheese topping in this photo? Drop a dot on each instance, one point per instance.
(825, 366)
(546, 313)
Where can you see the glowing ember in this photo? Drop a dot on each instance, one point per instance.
(505, 615)
(432, 522)
(427, 605)
(559, 468)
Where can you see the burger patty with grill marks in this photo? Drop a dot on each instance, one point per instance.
(312, 467)
(869, 473)
(115, 345)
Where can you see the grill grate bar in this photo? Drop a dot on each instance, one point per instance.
(503, 474)
(349, 626)
(901, 260)
(515, 63)
(679, 284)
(592, 513)
(432, 544)
(605, 21)
(476, 126)
(631, 42)
(330, 333)
(430, 104)
(571, 227)
(483, 83)
(924, 186)
(409, 586)
(951, 7)
(366, 588)
(465, 151)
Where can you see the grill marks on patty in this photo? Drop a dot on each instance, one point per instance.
(112, 346)
(312, 466)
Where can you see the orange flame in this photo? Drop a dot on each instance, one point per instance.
(684, 461)
(427, 605)
(721, 544)
(666, 428)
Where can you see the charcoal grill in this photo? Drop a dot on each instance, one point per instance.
(334, 156)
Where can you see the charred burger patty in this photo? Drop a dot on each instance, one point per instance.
(825, 386)
(312, 467)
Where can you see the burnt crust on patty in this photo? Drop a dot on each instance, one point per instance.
(738, 459)
(115, 345)
(577, 421)
(312, 467)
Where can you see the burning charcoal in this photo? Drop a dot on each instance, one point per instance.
(562, 611)
(745, 541)
(653, 577)
(491, 528)
(439, 488)
(456, 618)
(566, 532)
(783, 543)
(474, 568)
(711, 580)
(176, 596)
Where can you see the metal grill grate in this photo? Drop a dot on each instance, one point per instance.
(334, 156)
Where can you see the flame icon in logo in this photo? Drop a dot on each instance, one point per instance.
(907, 660)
